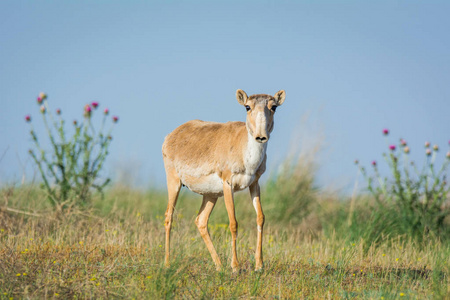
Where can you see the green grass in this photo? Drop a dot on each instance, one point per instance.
(116, 250)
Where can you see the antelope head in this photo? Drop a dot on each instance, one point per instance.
(260, 111)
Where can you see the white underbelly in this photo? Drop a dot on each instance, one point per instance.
(205, 185)
(242, 181)
(213, 185)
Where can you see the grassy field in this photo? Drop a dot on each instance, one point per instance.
(116, 250)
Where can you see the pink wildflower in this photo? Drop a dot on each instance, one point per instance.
(94, 104)
(106, 111)
(448, 155)
(435, 148)
(39, 100)
(115, 119)
(58, 111)
(28, 118)
(374, 163)
(42, 109)
(406, 149)
(402, 142)
(392, 147)
(427, 144)
(43, 96)
(428, 152)
(385, 131)
(87, 110)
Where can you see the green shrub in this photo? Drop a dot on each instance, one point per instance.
(412, 201)
(70, 170)
(289, 194)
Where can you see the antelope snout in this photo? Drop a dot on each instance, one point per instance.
(261, 139)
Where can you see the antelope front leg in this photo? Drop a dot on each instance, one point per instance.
(255, 194)
(229, 203)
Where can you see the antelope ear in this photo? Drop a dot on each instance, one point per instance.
(279, 97)
(241, 97)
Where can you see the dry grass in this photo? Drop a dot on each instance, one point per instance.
(116, 251)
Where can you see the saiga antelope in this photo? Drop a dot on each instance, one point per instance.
(217, 159)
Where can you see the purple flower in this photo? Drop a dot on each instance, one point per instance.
(58, 111)
(87, 110)
(115, 119)
(28, 118)
(392, 147)
(374, 163)
(402, 142)
(94, 104)
(39, 100)
(106, 111)
(385, 131)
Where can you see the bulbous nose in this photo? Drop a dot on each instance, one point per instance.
(261, 139)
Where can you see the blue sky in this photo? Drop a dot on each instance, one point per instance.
(353, 67)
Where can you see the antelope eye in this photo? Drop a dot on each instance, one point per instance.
(274, 108)
(247, 107)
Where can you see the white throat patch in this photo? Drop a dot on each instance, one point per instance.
(254, 154)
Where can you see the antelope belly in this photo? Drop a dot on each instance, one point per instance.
(204, 185)
(242, 181)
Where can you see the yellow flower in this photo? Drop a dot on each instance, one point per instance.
(396, 259)
(24, 274)
(401, 294)
(80, 242)
(220, 288)
(106, 230)
(353, 274)
(160, 246)
(18, 274)
(353, 244)
(56, 294)
(384, 254)
(149, 276)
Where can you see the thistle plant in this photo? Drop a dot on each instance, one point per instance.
(413, 199)
(70, 169)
